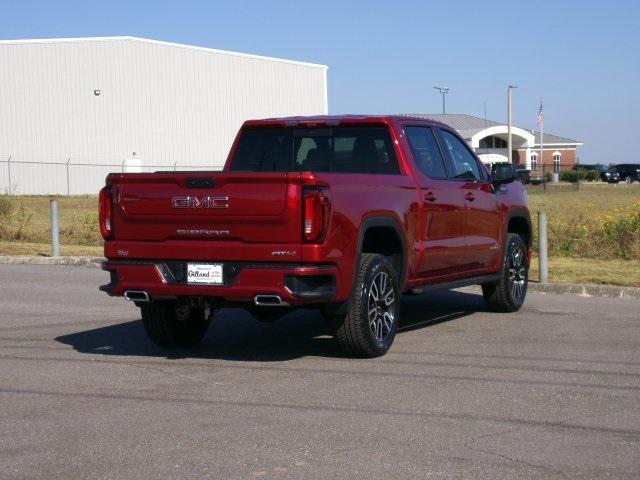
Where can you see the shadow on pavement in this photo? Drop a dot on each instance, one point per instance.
(235, 335)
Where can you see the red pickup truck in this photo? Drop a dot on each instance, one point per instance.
(339, 213)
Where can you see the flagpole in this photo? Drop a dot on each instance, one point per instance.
(509, 144)
(541, 135)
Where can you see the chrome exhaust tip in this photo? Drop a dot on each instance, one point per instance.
(269, 301)
(136, 296)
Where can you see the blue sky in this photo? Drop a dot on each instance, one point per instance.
(582, 57)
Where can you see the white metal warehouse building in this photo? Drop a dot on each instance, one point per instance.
(73, 110)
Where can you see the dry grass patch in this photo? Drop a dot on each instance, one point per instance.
(599, 221)
(27, 219)
(600, 224)
(588, 270)
(44, 249)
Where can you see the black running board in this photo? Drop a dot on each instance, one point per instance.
(463, 282)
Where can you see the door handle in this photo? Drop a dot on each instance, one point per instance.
(429, 197)
(470, 197)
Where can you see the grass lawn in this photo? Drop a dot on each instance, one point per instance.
(79, 234)
(78, 214)
(29, 220)
(597, 197)
(589, 270)
(44, 249)
(561, 270)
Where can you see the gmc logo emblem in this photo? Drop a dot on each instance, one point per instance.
(199, 202)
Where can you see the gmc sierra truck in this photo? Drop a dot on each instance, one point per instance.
(339, 213)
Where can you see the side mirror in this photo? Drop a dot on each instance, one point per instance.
(502, 173)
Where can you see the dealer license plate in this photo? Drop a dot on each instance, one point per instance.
(204, 273)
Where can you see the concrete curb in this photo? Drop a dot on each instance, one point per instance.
(586, 290)
(93, 262)
(581, 290)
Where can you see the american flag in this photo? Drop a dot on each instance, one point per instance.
(540, 119)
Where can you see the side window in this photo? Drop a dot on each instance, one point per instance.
(426, 151)
(463, 164)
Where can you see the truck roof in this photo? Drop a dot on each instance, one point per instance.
(340, 119)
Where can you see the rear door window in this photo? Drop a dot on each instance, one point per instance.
(426, 151)
(362, 149)
(462, 163)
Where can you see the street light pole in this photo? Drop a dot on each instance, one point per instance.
(443, 91)
(509, 145)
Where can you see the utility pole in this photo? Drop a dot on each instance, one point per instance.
(509, 145)
(443, 91)
(541, 123)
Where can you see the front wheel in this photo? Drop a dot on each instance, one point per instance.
(170, 324)
(508, 294)
(369, 327)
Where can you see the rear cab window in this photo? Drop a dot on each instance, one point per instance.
(339, 149)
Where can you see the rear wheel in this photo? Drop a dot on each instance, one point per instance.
(508, 294)
(173, 325)
(369, 327)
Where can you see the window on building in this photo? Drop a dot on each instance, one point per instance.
(534, 161)
(556, 161)
(493, 142)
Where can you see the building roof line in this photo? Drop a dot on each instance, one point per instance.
(472, 125)
(163, 43)
(559, 144)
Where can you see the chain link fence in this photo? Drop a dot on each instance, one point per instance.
(21, 175)
(560, 177)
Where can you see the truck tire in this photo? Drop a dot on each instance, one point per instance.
(508, 294)
(170, 325)
(369, 327)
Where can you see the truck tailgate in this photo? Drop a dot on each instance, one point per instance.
(246, 207)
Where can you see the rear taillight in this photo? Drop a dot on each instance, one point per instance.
(105, 213)
(316, 209)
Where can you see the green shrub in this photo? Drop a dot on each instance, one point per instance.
(81, 230)
(590, 176)
(20, 222)
(6, 207)
(91, 230)
(569, 176)
(622, 230)
(614, 234)
(572, 176)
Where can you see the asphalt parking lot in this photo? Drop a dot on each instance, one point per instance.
(550, 392)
